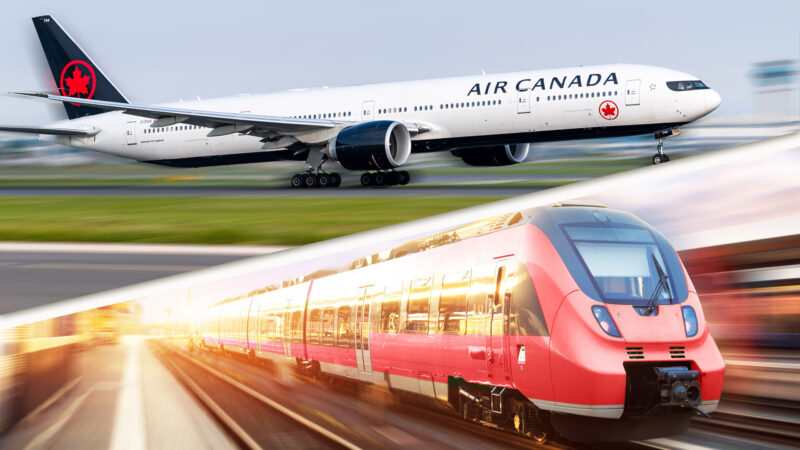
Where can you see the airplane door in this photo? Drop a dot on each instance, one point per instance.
(130, 133)
(362, 331)
(497, 310)
(632, 92)
(368, 110)
(523, 102)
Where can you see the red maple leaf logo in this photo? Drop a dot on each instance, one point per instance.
(608, 110)
(78, 84)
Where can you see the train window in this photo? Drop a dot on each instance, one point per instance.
(297, 326)
(624, 262)
(453, 303)
(497, 298)
(390, 308)
(419, 300)
(314, 325)
(327, 326)
(344, 327)
(364, 321)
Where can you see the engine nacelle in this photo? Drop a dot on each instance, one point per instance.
(501, 155)
(381, 144)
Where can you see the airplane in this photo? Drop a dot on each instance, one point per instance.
(486, 120)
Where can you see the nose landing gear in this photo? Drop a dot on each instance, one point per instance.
(660, 157)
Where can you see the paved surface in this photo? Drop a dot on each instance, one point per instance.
(31, 277)
(231, 191)
(126, 399)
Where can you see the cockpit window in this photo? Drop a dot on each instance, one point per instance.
(625, 263)
(686, 85)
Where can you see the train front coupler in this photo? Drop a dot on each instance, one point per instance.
(679, 386)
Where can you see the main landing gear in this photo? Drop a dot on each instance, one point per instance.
(381, 178)
(316, 180)
(660, 157)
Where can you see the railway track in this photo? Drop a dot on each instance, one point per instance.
(253, 420)
(773, 427)
(237, 406)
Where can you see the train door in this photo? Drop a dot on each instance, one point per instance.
(497, 309)
(287, 330)
(362, 330)
(130, 133)
(632, 92)
(368, 110)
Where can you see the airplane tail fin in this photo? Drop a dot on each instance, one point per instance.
(75, 74)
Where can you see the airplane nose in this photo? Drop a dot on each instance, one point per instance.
(712, 100)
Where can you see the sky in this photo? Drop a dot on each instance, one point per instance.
(162, 51)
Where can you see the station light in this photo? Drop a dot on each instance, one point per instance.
(689, 321)
(605, 320)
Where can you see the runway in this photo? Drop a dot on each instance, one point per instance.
(40, 273)
(233, 191)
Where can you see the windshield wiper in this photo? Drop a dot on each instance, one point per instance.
(663, 283)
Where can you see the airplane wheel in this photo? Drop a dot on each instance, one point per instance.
(336, 180)
(666, 157)
(297, 181)
(404, 177)
(658, 159)
(310, 180)
(366, 179)
(378, 179)
(324, 180)
(392, 178)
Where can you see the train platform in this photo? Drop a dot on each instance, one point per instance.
(123, 398)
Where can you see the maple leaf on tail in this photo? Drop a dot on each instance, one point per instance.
(78, 84)
(608, 110)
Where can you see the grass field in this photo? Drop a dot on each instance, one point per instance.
(194, 220)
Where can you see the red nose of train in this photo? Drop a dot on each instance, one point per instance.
(607, 353)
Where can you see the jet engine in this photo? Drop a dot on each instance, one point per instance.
(377, 145)
(501, 155)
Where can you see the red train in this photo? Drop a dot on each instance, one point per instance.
(570, 319)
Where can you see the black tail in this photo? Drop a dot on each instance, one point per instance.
(76, 75)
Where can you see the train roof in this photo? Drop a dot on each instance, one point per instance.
(544, 217)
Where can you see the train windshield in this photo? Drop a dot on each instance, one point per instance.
(623, 262)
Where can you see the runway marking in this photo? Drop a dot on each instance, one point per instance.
(124, 267)
(42, 438)
(129, 430)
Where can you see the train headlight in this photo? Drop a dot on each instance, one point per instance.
(604, 319)
(689, 321)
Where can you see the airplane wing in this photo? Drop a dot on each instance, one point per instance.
(222, 123)
(52, 131)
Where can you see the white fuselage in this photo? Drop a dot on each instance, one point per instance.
(593, 101)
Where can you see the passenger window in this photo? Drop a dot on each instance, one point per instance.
(327, 326)
(390, 308)
(419, 300)
(453, 303)
(297, 326)
(344, 328)
(314, 325)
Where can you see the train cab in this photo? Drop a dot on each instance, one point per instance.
(627, 335)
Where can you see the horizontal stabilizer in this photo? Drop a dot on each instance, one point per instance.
(51, 131)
